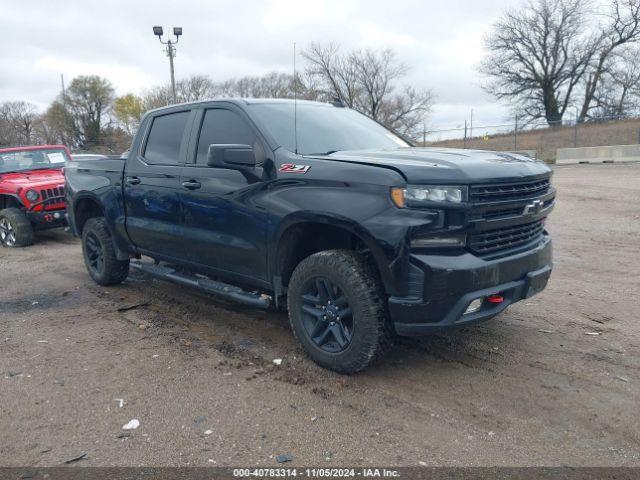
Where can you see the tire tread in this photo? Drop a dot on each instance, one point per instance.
(21, 226)
(115, 271)
(368, 291)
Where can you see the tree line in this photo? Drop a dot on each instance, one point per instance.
(550, 58)
(89, 116)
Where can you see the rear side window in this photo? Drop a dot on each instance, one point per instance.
(165, 138)
(222, 126)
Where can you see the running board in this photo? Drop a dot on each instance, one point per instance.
(224, 290)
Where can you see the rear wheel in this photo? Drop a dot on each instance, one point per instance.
(99, 254)
(15, 228)
(336, 310)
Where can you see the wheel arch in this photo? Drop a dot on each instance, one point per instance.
(305, 234)
(86, 207)
(8, 200)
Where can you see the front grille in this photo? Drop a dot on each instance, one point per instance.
(506, 238)
(512, 211)
(508, 191)
(52, 196)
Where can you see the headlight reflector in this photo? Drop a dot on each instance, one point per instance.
(32, 195)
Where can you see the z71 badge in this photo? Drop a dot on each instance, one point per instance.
(293, 168)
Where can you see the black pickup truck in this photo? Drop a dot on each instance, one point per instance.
(318, 208)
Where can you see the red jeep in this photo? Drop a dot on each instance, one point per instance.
(31, 192)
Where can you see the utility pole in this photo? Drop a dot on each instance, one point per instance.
(64, 93)
(465, 133)
(171, 53)
(424, 134)
(575, 132)
(515, 135)
(471, 125)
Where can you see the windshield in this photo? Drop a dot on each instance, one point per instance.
(24, 160)
(322, 128)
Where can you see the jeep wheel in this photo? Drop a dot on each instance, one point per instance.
(15, 228)
(336, 310)
(99, 254)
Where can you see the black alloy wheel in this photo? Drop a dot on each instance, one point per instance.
(95, 253)
(326, 315)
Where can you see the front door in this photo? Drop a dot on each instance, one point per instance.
(224, 212)
(152, 187)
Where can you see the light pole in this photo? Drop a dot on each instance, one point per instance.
(171, 52)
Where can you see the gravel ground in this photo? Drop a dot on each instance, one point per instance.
(552, 381)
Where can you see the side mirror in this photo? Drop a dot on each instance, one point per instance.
(231, 155)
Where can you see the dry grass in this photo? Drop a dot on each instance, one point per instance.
(546, 141)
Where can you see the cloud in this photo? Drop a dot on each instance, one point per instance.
(441, 42)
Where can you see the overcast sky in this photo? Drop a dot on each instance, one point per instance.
(441, 41)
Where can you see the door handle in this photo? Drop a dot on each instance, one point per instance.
(133, 180)
(191, 184)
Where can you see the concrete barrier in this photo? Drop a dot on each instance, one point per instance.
(604, 154)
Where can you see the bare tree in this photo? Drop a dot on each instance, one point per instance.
(190, 89)
(538, 55)
(618, 94)
(56, 126)
(623, 28)
(200, 87)
(271, 85)
(17, 122)
(405, 112)
(194, 88)
(337, 75)
(366, 80)
(363, 80)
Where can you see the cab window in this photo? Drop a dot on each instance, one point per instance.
(222, 126)
(165, 139)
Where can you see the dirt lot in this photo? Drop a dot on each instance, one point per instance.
(535, 386)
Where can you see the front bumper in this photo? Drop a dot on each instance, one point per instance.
(450, 283)
(48, 219)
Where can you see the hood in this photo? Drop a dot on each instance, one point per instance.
(443, 165)
(34, 178)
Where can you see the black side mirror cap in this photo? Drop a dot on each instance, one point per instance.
(231, 155)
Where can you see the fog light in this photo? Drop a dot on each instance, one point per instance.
(56, 215)
(439, 241)
(474, 306)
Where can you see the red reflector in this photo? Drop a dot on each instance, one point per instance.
(495, 299)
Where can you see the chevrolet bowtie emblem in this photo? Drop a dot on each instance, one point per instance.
(533, 208)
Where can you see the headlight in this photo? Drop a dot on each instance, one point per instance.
(419, 195)
(32, 195)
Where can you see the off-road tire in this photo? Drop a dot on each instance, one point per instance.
(112, 271)
(372, 335)
(20, 225)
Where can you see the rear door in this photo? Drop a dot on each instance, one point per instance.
(224, 213)
(152, 186)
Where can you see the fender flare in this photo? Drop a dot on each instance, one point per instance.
(15, 197)
(335, 220)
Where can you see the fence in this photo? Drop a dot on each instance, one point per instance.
(538, 137)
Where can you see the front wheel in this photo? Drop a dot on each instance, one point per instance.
(336, 310)
(15, 228)
(99, 254)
